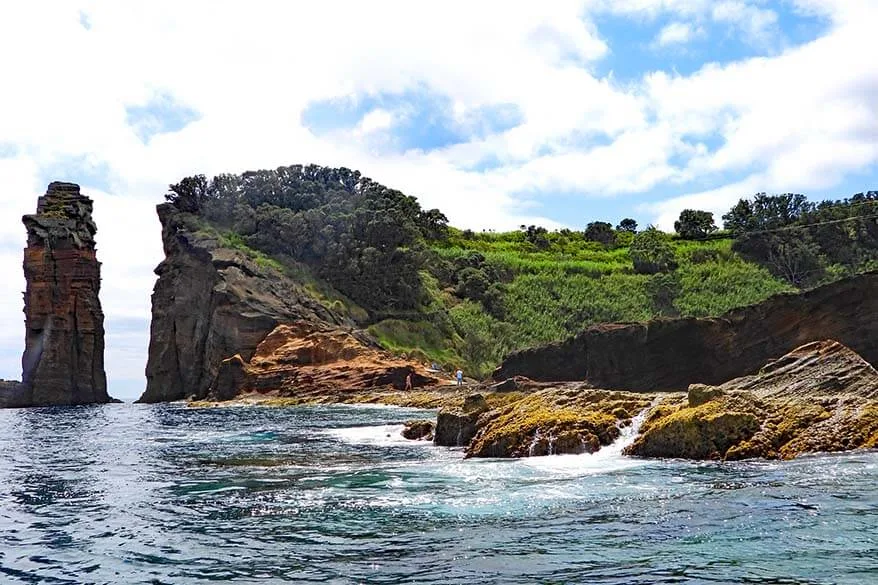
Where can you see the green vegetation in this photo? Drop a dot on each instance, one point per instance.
(462, 298)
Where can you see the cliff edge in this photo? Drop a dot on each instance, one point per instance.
(212, 302)
(670, 354)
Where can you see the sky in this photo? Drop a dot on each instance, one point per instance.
(499, 113)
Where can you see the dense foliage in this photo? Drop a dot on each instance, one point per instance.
(694, 224)
(806, 243)
(358, 235)
(463, 298)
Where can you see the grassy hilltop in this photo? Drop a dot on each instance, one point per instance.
(466, 299)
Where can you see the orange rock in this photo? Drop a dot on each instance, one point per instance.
(304, 358)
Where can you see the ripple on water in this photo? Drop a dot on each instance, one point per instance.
(166, 494)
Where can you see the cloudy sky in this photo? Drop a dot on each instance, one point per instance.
(499, 113)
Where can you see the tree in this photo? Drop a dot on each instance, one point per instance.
(189, 194)
(663, 289)
(787, 254)
(600, 231)
(627, 225)
(651, 252)
(536, 235)
(433, 224)
(766, 212)
(694, 224)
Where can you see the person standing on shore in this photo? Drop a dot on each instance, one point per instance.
(459, 375)
(408, 381)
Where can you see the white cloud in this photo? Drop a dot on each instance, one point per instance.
(377, 119)
(805, 116)
(675, 33)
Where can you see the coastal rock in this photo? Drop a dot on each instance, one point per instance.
(305, 358)
(671, 354)
(456, 426)
(554, 422)
(419, 430)
(821, 396)
(63, 361)
(212, 302)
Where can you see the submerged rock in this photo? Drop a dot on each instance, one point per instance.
(820, 397)
(671, 354)
(63, 361)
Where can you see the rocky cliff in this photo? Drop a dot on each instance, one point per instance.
(63, 360)
(820, 397)
(670, 354)
(304, 359)
(211, 303)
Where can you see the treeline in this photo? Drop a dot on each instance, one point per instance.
(797, 240)
(363, 238)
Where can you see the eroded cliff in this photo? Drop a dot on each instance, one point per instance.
(670, 354)
(63, 361)
(820, 397)
(211, 303)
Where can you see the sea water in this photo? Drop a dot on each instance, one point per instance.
(333, 494)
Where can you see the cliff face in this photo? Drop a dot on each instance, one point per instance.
(670, 354)
(63, 360)
(211, 303)
(819, 397)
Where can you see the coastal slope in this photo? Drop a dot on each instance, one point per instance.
(670, 354)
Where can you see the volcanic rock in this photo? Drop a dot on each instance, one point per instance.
(820, 397)
(306, 359)
(456, 426)
(419, 430)
(554, 421)
(213, 302)
(671, 354)
(63, 361)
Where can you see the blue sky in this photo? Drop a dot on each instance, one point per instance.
(498, 113)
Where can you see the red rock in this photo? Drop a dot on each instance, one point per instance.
(63, 360)
(304, 358)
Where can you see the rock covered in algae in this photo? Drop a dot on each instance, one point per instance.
(554, 421)
(822, 396)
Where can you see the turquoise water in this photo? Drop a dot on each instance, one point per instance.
(170, 495)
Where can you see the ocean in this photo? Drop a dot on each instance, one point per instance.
(165, 494)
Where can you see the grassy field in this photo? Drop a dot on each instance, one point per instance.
(551, 293)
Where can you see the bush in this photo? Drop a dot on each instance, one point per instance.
(651, 252)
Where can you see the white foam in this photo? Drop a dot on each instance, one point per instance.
(371, 435)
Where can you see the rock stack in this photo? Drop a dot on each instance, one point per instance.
(63, 362)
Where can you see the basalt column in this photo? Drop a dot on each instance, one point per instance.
(63, 360)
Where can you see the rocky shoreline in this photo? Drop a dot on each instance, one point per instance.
(788, 376)
(821, 397)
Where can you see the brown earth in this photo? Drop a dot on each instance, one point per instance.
(671, 354)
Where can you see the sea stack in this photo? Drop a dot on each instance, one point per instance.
(63, 362)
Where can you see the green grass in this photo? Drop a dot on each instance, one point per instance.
(571, 284)
(420, 340)
(547, 294)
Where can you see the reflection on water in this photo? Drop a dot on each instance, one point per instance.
(168, 494)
